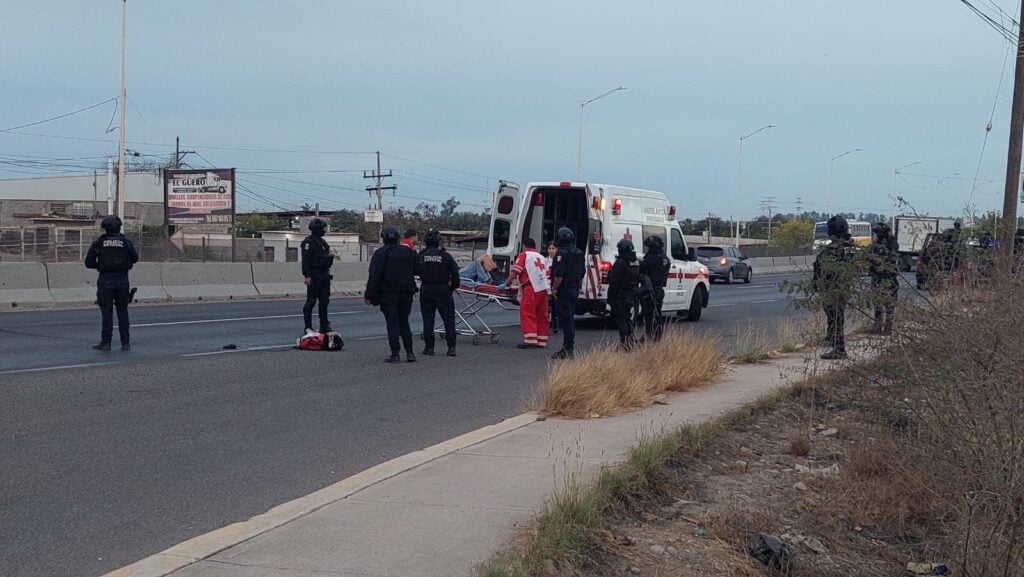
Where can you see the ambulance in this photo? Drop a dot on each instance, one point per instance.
(599, 215)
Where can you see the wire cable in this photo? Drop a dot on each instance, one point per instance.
(65, 115)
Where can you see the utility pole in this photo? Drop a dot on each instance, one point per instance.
(121, 103)
(178, 153)
(768, 204)
(709, 228)
(378, 188)
(1011, 194)
(799, 205)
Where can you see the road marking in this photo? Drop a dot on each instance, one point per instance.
(744, 303)
(62, 367)
(231, 320)
(226, 351)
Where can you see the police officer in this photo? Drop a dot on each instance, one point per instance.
(316, 268)
(566, 279)
(623, 286)
(439, 278)
(655, 267)
(391, 286)
(113, 256)
(882, 266)
(834, 275)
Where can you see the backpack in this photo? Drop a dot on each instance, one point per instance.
(331, 341)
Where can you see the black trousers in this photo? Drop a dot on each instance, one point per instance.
(437, 297)
(565, 306)
(886, 295)
(318, 293)
(396, 308)
(113, 292)
(835, 315)
(650, 310)
(622, 312)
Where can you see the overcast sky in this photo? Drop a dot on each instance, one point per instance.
(493, 90)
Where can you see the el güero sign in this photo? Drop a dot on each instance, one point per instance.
(205, 196)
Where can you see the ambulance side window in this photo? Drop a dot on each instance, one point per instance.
(678, 246)
(502, 230)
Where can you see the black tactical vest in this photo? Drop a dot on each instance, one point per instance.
(112, 255)
(433, 269)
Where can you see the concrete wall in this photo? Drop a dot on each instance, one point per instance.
(23, 282)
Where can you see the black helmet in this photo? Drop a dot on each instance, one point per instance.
(390, 235)
(654, 242)
(881, 230)
(838, 227)
(564, 236)
(625, 247)
(317, 227)
(432, 238)
(111, 224)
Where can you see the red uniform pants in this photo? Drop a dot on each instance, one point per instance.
(533, 316)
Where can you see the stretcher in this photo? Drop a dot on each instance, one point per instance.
(475, 298)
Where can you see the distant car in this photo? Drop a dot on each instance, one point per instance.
(213, 188)
(725, 262)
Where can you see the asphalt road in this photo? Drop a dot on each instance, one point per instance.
(109, 457)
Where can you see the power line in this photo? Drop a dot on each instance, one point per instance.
(65, 115)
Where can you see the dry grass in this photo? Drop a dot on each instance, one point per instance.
(799, 445)
(752, 346)
(605, 380)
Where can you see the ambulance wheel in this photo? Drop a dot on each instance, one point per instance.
(495, 339)
(696, 305)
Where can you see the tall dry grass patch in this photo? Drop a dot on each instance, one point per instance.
(606, 380)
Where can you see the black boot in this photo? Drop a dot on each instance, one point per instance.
(102, 346)
(393, 359)
(126, 346)
(429, 352)
(409, 357)
(834, 355)
(451, 351)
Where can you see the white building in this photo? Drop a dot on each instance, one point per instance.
(284, 246)
(82, 198)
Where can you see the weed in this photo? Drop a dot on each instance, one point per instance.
(752, 346)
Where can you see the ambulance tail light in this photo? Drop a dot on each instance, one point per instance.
(565, 184)
(617, 206)
(538, 199)
(606, 267)
(671, 213)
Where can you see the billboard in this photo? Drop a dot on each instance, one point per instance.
(202, 196)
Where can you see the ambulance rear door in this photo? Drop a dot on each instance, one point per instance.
(504, 235)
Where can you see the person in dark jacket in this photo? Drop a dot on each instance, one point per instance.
(623, 287)
(655, 268)
(316, 272)
(566, 280)
(113, 255)
(834, 276)
(391, 285)
(882, 266)
(439, 278)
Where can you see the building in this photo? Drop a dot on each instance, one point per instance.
(79, 200)
(283, 245)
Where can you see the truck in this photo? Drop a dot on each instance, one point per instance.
(911, 231)
(599, 215)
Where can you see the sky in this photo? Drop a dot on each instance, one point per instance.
(458, 94)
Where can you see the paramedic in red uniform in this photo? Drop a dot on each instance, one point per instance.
(531, 272)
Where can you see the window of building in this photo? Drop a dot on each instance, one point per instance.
(72, 236)
(268, 253)
(59, 207)
(291, 254)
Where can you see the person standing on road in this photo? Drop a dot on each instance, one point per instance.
(409, 239)
(655, 267)
(391, 286)
(566, 280)
(549, 262)
(623, 286)
(531, 272)
(834, 276)
(884, 277)
(316, 271)
(113, 255)
(439, 278)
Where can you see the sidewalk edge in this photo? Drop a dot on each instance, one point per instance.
(204, 546)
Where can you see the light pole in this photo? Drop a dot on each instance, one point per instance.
(832, 170)
(120, 133)
(739, 177)
(579, 150)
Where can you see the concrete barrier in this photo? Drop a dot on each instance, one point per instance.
(184, 280)
(24, 282)
(71, 282)
(148, 278)
(278, 279)
(350, 277)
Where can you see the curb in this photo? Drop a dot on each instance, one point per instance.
(207, 545)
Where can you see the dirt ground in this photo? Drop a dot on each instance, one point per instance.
(820, 469)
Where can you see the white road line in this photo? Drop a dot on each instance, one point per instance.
(737, 304)
(59, 368)
(231, 320)
(227, 351)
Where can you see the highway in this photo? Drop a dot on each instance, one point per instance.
(110, 457)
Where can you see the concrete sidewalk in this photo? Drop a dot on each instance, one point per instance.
(443, 510)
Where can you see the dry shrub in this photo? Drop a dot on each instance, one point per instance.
(800, 329)
(799, 445)
(751, 346)
(605, 380)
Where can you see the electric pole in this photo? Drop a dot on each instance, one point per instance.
(768, 204)
(799, 205)
(378, 188)
(120, 132)
(178, 153)
(1011, 193)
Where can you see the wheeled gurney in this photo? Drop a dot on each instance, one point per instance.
(475, 298)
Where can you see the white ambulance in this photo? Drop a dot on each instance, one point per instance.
(600, 215)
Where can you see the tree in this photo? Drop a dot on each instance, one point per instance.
(448, 208)
(793, 235)
(247, 225)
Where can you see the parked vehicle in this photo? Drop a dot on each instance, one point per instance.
(860, 233)
(725, 263)
(599, 215)
(911, 231)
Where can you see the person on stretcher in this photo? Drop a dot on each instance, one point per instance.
(482, 271)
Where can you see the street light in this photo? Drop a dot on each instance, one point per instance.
(739, 177)
(832, 170)
(579, 150)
